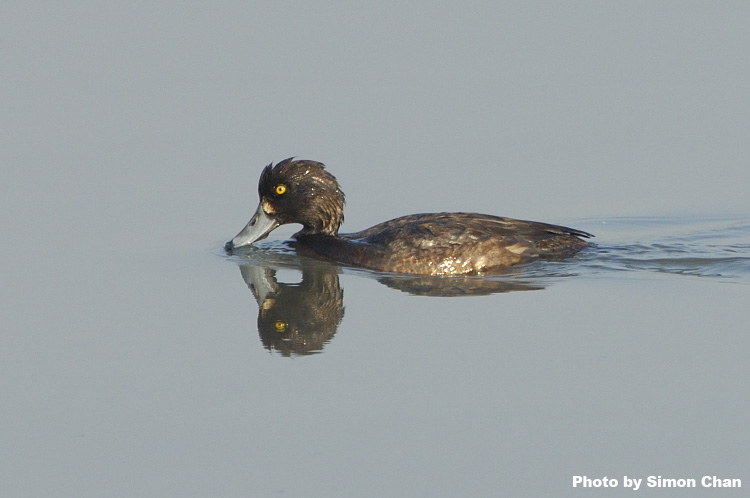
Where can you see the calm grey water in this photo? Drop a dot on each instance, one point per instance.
(168, 374)
(138, 359)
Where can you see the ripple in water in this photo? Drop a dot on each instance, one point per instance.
(715, 248)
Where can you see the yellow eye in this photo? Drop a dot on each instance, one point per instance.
(280, 189)
(280, 326)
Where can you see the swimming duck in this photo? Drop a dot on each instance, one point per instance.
(301, 191)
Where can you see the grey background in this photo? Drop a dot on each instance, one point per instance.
(131, 140)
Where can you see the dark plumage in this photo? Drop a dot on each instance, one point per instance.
(433, 244)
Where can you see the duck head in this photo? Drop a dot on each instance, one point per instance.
(294, 191)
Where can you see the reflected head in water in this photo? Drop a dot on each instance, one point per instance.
(295, 319)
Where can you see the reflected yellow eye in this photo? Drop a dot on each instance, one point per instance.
(280, 326)
(280, 189)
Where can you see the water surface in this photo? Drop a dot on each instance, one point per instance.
(626, 359)
(273, 374)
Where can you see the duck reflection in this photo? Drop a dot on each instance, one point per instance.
(455, 286)
(298, 319)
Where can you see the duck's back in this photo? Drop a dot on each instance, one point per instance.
(449, 243)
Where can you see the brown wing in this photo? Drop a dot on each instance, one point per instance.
(451, 243)
(451, 229)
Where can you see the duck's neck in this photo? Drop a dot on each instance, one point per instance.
(328, 227)
(325, 217)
